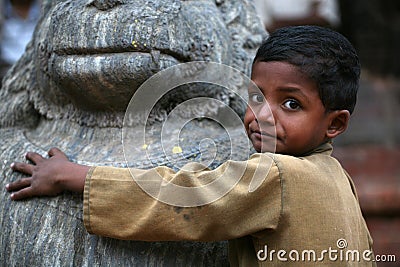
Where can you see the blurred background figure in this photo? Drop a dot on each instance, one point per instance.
(276, 14)
(18, 19)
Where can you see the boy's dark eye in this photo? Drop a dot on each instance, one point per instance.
(256, 98)
(292, 104)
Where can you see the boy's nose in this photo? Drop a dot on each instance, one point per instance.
(264, 115)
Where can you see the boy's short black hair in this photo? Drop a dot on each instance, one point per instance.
(324, 55)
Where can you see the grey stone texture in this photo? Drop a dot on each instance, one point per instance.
(70, 89)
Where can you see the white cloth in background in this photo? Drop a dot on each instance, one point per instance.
(17, 32)
(295, 9)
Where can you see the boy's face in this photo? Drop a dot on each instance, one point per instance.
(295, 109)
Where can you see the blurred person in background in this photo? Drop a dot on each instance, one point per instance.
(18, 19)
(276, 14)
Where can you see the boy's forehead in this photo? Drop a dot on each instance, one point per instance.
(264, 69)
(282, 65)
(281, 74)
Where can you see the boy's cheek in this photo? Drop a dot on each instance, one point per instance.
(248, 117)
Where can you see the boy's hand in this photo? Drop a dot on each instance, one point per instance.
(48, 176)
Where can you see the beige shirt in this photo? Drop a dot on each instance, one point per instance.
(305, 212)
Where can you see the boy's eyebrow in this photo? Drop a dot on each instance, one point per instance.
(293, 90)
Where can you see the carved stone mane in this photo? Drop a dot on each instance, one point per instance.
(87, 71)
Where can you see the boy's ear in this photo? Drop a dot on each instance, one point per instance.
(339, 119)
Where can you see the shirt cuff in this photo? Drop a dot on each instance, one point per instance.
(86, 200)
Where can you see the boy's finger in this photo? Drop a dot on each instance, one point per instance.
(22, 167)
(18, 185)
(56, 152)
(34, 157)
(22, 194)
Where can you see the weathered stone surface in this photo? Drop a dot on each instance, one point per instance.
(70, 90)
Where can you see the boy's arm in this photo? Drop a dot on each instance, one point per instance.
(116, 206)
(48, 177)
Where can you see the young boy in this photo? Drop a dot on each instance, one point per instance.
(304, 212)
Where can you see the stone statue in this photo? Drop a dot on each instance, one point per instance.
(71, 89)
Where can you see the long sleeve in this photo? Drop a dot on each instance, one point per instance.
(116, 206)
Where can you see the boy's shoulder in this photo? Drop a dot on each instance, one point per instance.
(318, 163)
(319, 171)
(322, 152)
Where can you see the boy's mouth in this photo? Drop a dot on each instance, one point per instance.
(263, 141)
(261, 135)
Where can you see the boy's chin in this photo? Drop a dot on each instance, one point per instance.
(264, 148)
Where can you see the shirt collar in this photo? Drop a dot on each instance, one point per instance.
(326, 148)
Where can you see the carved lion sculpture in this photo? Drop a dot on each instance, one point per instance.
(71, 89)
